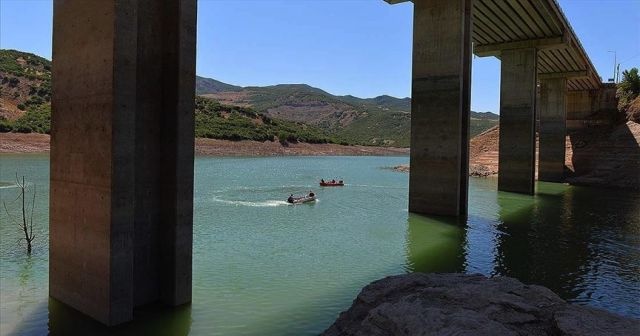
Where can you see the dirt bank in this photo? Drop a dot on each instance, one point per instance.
(483, 154)
(607, 157)
(24, 143)
(255, 148)
(39, 143)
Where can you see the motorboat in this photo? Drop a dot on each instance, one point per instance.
(332, 183)
(303, 199)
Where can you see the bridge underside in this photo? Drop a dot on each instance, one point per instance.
(122, 134)
(545, 74)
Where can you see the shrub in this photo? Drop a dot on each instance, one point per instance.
(37, 119)
(5, 126)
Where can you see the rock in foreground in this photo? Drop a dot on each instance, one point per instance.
(458, 304)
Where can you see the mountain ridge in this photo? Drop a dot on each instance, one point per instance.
(25, 92)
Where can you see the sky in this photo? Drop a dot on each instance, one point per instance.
(357, 47)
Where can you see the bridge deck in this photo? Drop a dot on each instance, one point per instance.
(511, 24)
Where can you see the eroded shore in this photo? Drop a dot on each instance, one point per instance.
(39, 143)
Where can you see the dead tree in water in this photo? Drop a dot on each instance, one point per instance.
(27, 223)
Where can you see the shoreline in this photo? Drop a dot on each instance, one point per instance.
(35, 143)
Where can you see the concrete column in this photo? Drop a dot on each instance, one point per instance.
(440, 107)
(517, 121)
(553, 129)
(121, 155)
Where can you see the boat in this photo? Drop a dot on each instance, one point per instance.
(303, 199)
(331, 183)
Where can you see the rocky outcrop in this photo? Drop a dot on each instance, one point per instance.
(599, 156)
(633, 112)
(459, 304)
(608, 158)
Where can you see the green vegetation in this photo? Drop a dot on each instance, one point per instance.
(286, 112)
(267, 97)
(26, 79)
(628, 88)
(209, 85)
(213, 120)
(217, 121)
(381, 128)
(379, 121)
(21, 64)
(37, 119)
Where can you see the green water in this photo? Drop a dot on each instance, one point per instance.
(262, 267)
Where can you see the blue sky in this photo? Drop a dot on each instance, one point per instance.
(358, 47)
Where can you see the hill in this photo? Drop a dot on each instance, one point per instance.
(25, 92)
(227, 122)
(381, 121)
(209, 85)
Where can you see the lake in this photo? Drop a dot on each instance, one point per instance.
(261, 266)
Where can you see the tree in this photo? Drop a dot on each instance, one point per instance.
(26, 225)
(628, 89)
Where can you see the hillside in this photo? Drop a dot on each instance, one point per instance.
(227, 122)
(380, 121)
(25, 90)
(25, 83)
(209, 85)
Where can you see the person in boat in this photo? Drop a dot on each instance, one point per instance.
(290, 199)
(311, 194)
(321, 180)
(333, 181)
(340, 182)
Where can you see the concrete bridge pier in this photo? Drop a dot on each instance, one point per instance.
(517, 120)
(440, 107)
(121, 200)
(553, 129)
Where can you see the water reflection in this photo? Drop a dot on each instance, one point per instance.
(542, 247)
(581, 243)
(148, 320)
(435, 244)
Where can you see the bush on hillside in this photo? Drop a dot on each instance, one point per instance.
(37, 119)
(5, 125)
(217, 121)
(628, 89)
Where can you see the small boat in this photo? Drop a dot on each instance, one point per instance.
(303, 199)
(332, 183)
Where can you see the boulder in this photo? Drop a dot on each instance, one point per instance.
(459, 304)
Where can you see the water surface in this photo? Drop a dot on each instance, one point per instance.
(264, 267)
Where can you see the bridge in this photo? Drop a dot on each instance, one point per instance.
(536, 46)
(122, 135)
